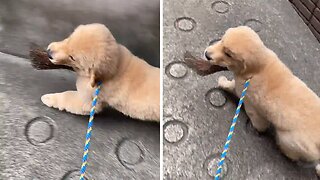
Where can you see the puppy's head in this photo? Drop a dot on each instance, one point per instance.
(240, 50)
(90, 50)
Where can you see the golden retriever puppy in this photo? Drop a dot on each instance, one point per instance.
(129, 84)
(275, 94)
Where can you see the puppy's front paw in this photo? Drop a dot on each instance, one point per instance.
(223, 82)
(318, 170)
(50, 100)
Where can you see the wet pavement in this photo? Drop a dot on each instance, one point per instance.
(197, 115)
(41, 143)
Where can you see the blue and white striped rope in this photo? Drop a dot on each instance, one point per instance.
(231, 130)
(88, 135)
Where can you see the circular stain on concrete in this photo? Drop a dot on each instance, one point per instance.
(72, 175)
(216, 98)
(212, 42)
(40, 130)
(255, 24)
(211, 165)
(174, 131)
(176, 70)
(221, 7)
(129, 153)
(185, 24)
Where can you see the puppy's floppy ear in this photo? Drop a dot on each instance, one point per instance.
(244, 65)
(102, 69)
(228, 52)
(94, 79)
(239, 63)
(106, 63)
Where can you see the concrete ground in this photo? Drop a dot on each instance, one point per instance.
(197, 115)
(41, 143)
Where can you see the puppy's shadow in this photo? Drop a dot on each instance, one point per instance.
(112, 116)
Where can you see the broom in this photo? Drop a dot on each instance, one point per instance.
(40, 60)
(202, 67)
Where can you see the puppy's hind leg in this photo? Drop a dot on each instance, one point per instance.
(225, 84)
(69, 101)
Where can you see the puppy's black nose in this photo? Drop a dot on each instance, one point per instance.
(49, 52)
(208, 57)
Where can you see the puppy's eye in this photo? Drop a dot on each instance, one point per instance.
(71, 57)
(227, 54)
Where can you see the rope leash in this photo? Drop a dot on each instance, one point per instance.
(88, 135)
(234, 121)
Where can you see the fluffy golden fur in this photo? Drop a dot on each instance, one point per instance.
(129, 84)
(275, 94)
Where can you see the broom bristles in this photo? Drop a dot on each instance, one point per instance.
(202, 67)
(40, 60)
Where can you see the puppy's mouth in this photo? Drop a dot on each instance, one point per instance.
(213, 62)
(59, 61)
(206, 56)
(54, 61)
(50, 54)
